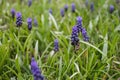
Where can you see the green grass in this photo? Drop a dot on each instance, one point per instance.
(98, 59)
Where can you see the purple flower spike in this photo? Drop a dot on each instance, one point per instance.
(18, 19)
(92, 7)
(56, 46)
(35, 70)
(84, 34)
(50, 11)
(29, 21)
(29, 3)
(79, 23)
(66, 8)
(13, 13)
(111, 9)
(35, 23)
(74, 36)
(62, 12)
(73, 7)
(81, 29)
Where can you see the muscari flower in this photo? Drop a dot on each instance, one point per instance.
(50, 11)
(73, 7)
(29, 22)
(79, 23)
(81, 29)
(13, 13)
(29, 3)
(35, 22)
(35, 70)
(66, 7)
(62, 12)
(84, 34)
(111, 9)
(56, 46)
(74, 36)
(18, 19)
(92, 7)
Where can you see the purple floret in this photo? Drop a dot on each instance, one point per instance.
(66, 7)
(18, 19)
(29, 21)
(74, 36)
(73, 7)
(56, 45)
(29, 3)
(13, 13)
(35, 70)
(62, 12)
(111, 9)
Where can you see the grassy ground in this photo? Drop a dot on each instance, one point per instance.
(98, 59)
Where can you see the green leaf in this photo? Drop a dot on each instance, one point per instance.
(36, 49)
(117, 28)
(54, 21)
(105, 47)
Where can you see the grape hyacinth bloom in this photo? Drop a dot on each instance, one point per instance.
(35, 22)
(50, 11)
(35, 70)
(13, 13)
(18, 19)
(29, 21)
(62, 12)
(29, 3)
(79, 23)
(111, 9)
(81, 29)
(73, 7)
(66, 8)
(56, 46)
(84, 34)
(74, 36)
(92, 7)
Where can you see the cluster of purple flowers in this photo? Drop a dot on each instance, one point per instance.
(74, 36)
(84, 34)
(56, 46)
(65, 9)
(35, 22)
(81, 29)
(79, 23)
(111, 9)
(29, 21)
(92, 7)
(18, 19)
(76, 30)
(35, 70)
(29, 3)
(73, 7)
(62, 12)
(13, 13)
